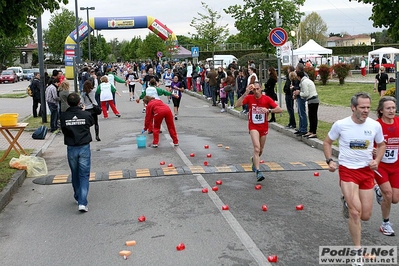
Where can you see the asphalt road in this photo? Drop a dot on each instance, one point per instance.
(41, 226)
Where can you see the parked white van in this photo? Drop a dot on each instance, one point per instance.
(221, 60)
(18, 71)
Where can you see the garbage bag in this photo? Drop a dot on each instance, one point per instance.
(34, 166)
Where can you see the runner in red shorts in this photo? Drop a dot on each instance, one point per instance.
(388, 178)
(357, 135)
(259, 106)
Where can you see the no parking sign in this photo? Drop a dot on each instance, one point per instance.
(278, 37)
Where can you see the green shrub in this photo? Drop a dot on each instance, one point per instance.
(324, 73)
(342, 71)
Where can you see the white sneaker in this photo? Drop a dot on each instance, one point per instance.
(143, 110)
(222, 111)
(83, 208)
(386, 229)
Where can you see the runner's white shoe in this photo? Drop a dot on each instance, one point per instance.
(386, 229)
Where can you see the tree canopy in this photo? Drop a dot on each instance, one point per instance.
(255, 19)
(313, 27)
(61, 24)
(209, 30)
(385, 13)
(18, 18)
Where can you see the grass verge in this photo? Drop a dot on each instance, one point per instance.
(6, 171)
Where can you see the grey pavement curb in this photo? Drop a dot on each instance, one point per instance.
(19, 177)
(314, 143)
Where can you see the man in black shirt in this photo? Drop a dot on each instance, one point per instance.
(75, 124)
(35, 87)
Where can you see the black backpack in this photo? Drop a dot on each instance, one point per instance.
(40, 133)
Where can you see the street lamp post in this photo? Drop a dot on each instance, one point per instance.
(372, 42)
(88, 24)
(23, 58)
(292, 47)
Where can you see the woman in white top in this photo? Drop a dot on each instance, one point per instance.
(105, 89)
(188, 75)
(88, 98)
(252, 78)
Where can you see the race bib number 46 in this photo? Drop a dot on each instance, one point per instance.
(257, 116)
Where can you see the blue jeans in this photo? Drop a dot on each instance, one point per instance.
(230, 95)
(79, 163)
(303, 119)
(207, 89)
(54, 116)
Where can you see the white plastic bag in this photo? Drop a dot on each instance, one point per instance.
(34, 166)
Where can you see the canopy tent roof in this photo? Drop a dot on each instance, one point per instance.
(181, 53)
(312, 48)
(384, 51)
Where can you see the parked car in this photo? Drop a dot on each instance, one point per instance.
(18, 71)
(28, 73)
(8, 76)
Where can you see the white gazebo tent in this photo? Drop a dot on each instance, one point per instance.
(384, 52)
(310, 49)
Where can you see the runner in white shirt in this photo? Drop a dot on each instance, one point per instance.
(357, 135)
(168, 77)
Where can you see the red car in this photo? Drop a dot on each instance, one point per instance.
(8, 76)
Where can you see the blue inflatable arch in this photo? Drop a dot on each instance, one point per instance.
(112, 23)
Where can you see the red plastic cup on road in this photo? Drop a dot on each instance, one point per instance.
(258, 187)
(170, 165)
(272, 258)
(215, 188)
(205, 190)
(141, 218)
(206, 163)
(264, 207)
(316, 174)
(209, 155)
(225, 207)
(162, 163)
(219, 182)
(299, 207)
(206, 146)
(180, 247)
(192, 154)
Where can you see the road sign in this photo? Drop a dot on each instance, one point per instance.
(194, 52)
(159, 54)
(278, 37)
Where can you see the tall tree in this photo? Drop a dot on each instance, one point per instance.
(18, 18)
(313, 27)
(385, 13)
(61, 24)
(209, 31)
(255, 19)
(8, 53)
(150, 46)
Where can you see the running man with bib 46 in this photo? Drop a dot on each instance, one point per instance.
(259, 106)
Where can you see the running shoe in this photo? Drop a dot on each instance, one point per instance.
(259, 176)
(143, 110)
(386, 229)
(222, 111)
(378, 194)
(345, 210)
(253, 166)
(154, 146)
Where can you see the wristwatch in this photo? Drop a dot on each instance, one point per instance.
(270, 110)
(329, 160)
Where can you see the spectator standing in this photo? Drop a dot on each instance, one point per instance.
(303, 119)
(363, 66)
(270, 88)
(75, 124)
(63, 93)
(212, 80)
(88, 98)
(35, 88)
(230, 81)
(241, 86)
(53, 102)
(289, 99)
(188, 75)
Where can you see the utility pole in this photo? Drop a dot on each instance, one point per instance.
(279, 23)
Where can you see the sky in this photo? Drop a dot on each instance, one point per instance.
(339, 15)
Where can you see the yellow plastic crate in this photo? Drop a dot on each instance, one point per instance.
(8, 120)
